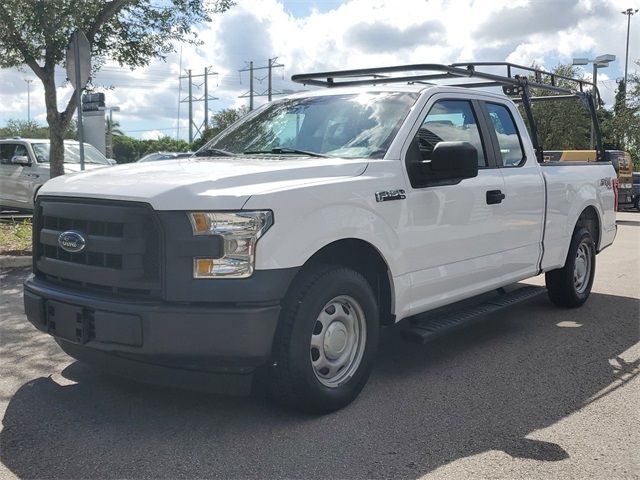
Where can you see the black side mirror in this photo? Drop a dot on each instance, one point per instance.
(452, 161)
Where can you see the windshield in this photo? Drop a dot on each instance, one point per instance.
(71, 153)
(350, 125)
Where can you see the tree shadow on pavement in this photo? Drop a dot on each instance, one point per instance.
(485, 388)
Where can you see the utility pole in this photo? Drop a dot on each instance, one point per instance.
(206, 99)
(28, 80)
(251, 85)
(251, 94)
(269, 85)
(190, 107)
(628, 12)
(196, 128)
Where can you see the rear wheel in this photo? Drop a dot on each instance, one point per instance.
(326, 340)
(570, 286)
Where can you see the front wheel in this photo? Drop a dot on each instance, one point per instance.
(570, 286)
(326, 340)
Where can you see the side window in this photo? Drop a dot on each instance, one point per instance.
(21, 151)
(450, 121)
(6, 153)
(509, 141)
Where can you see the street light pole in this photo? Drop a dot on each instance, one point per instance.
(628, 12)
(598, 62)
(28, 80)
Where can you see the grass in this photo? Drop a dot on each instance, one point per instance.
(15, 238)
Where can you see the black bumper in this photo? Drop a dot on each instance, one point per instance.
(140, 338)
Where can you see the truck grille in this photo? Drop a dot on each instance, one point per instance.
(122, 255)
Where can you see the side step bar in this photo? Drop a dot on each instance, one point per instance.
(431, 326)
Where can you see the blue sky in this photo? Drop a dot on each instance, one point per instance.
(321, 34)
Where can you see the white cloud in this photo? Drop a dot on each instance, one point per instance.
(152, 135)
(358, 33)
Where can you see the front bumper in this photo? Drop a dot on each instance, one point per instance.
(128, 336)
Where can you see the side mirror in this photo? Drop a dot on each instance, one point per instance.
(21, 160)
(451, 161)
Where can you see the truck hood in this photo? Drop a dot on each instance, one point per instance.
(224, 183)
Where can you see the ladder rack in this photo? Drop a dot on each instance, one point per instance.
(516, 81)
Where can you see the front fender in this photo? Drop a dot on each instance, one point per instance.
(294, 239)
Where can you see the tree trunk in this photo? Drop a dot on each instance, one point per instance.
(56, 148)
(58, 122)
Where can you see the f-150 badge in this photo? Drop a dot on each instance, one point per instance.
(388, 195)
(606, 182)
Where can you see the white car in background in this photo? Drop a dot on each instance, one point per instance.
(24, 167)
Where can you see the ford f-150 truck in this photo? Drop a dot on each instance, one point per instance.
(286, 243)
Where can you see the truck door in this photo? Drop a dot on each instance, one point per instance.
(454, 236)
(521, 213)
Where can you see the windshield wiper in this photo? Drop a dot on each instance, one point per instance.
(213, 151)
(285, 150)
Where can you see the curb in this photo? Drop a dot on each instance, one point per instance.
(15, 261)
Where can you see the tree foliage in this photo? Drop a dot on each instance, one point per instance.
(219, 122)
(622, 126)
(566, 125)
(33, 129)
(562, 125)
(35, 33)
(127, 149)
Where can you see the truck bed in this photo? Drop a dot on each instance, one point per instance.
(571, 187)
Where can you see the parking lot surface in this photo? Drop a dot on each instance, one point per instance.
(535, 392)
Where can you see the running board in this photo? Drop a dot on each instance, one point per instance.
(431, 326)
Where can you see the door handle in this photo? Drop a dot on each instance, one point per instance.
(495, 196)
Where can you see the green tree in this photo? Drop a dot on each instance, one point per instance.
(24, 128)
(127, 149)
(165, 144)
(562, 124)
(622, 128)
(33, 129)
(113, 128)
(219, 121)
(35, 34)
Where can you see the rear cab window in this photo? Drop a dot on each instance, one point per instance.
(507, 135)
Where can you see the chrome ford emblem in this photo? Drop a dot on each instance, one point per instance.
(71, 241)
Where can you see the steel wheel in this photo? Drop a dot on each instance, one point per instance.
(582, 268)
(338, 340)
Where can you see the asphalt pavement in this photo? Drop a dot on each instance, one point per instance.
(533, 392)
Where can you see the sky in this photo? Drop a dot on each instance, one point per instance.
(315, 35)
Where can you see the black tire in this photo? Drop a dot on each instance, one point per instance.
(293, 380)
(562, 287)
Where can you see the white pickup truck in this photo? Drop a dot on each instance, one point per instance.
(24, 167)
(286, 243)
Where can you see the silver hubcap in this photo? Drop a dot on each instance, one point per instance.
(338, 340)
(582, 268)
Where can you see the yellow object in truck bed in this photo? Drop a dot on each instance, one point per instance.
(569, 156)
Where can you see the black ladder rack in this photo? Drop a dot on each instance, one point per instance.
(514, 82)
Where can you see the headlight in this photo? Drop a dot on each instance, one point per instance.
(239, 231)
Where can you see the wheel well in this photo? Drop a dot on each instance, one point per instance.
(364, 258)
(589, 219)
